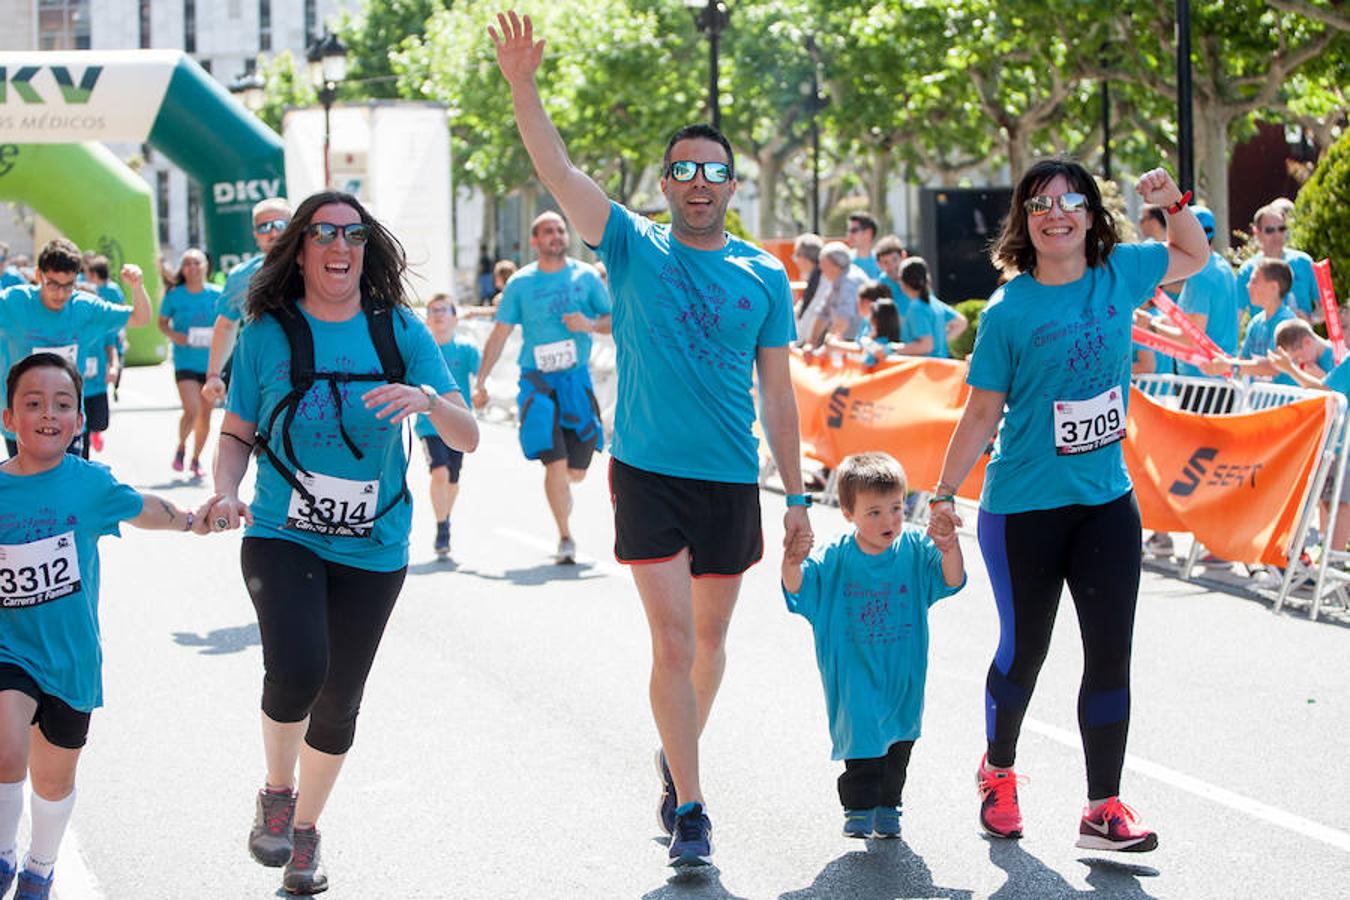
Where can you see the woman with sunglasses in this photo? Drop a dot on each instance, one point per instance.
(186, 316)
(1050, 371)
(326, 549)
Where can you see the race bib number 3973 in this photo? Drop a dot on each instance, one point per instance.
(557, 356)
(340, 507)
(39, 572)
(1085, 425)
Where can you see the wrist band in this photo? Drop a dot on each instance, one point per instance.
(941, 498)
(798, 499)
(1180, 204)
(191, 517)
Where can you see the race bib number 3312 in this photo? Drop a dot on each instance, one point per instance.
(39, 572)
(1085, 425)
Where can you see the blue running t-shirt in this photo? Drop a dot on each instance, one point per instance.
(230, 300)
(193, 315)
(1061, 354)
(50, 524)
(462, 359)
(687, 326)
(261, 379)
(1212, 292)
(537, 301)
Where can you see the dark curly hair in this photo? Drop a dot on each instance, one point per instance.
(1012, 252)
(280, 282)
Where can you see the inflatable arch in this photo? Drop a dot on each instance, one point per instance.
(53, 104)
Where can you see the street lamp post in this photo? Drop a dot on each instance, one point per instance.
(711, 17)
(250, 88)
(327, 59)
(816, 105)
(1185, 122)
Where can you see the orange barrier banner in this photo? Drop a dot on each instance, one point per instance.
(1235, 482)
(907, 407)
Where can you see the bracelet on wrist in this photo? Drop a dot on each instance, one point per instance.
(941, 498)
(1180, 204)
(798, 500)
(191, 517)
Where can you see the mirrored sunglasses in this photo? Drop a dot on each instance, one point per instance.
(355, 234)
(683, 170)
(1041, 204)
(274, 225)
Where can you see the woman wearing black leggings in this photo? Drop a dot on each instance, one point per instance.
(1050, 371)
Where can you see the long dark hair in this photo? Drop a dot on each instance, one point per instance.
(1013, 253)
(886, 321)
(914, 275)
(279, 282)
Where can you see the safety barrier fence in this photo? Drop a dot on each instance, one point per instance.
(1238, 465)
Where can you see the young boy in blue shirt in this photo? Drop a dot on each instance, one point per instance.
(54, 507)
(866, 595)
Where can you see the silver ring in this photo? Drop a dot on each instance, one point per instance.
(222, 523)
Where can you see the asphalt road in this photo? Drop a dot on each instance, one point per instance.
(504, 748)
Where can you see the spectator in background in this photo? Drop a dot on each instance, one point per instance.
(502, 271)
(840, 313)
(929, 323)
(806, 254)
(1267, 287)
(1310, 353)
(9, 273)
(890, 253)
(1153, 223)
(1272, 232)
(486, 286)
(862, 231)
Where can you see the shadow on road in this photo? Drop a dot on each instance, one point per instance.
(885, 870)
(533, 576)
(703, 883)
(220, 641)
(1030, 878)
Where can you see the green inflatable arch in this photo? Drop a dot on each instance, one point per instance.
(55, 105)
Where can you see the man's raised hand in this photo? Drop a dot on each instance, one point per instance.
(518, 54)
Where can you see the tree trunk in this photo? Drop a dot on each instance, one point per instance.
(879, 178)
(1018, 151)
(770, 173)
(1211, 124)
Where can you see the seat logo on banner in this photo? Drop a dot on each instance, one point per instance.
(1224, 475)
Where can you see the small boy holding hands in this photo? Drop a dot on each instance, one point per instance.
(866, 595)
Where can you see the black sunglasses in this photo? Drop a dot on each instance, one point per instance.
(356, 234)
(1274, 229)
(683, 170)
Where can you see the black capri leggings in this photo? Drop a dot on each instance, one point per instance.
(1030, 556)
(321, 623)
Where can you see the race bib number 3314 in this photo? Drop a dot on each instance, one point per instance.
(39, 572)
(1085, 425)
(341, 507)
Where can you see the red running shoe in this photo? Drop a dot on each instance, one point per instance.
(1114, 826)
(999, 813)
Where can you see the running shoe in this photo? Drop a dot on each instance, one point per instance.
(999, 813)
(7, 873)
(691, 840)
(567, 551)
(886, 822)
(178, 460)
(858, 823)
(33, 887)
(95, 441)
(1159, 544)
(269, 843)
(665, 810)
(1114, 826)
(442, 545)
(196, 469)
(304, 873)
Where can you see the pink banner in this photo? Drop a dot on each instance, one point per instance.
(1327, 291)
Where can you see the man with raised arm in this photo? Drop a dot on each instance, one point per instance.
(696, 313)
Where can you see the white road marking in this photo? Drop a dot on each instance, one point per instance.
(1332, 837)
(551, 547)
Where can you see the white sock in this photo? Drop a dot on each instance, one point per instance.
(50, 818)
(1095, 805)
(11, 808)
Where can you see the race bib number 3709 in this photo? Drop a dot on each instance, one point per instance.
(341, 507)
(1085, 425)
(39, 572)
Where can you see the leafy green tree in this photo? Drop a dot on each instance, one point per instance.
(372, 34)
(285, 83)
(1322, 213)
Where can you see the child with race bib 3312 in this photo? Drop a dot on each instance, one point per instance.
(54, 507)
(866, 594)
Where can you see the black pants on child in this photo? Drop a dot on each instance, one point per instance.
(878, 781)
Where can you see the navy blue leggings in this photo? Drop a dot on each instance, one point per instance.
(1030, 556)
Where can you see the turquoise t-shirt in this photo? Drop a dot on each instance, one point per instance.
(50, 524)
(10, 276)
(261, 379)
(1212, 292)
(79, 330)
(462, 359)
(687, 326)
(537, 301)
(230, 302)
(95, 365)
(1303, 294)
(869, 615)
(928, 320)
(1049, 348)
(1338, 379)
(869, 265)
(193, 315)
(1260, 338)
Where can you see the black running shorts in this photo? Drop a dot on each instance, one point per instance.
(60, 723)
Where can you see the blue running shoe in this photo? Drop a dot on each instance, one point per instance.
(665, 810)
(886, 822)
(33, 887)
(691, 841)
(7, 873)
(858, 823)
